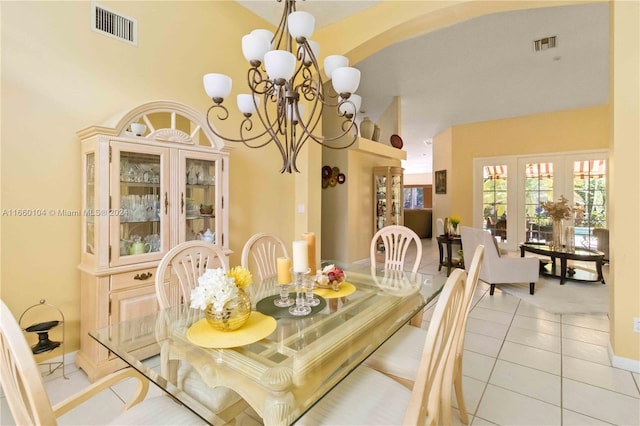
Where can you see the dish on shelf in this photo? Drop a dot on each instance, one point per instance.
(396, 141)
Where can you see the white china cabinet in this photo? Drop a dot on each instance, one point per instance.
(157, 178)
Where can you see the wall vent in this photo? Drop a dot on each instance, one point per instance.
(544, 43)
(114, 24)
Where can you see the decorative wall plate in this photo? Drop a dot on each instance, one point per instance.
(396, 141)
(331, 176)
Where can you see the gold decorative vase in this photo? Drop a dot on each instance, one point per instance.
(233, 315)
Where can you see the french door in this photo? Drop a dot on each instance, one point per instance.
(508, 192)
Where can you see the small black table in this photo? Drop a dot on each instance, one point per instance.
(445, 242)
(566, 272)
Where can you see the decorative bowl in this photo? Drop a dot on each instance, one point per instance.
(233, 315)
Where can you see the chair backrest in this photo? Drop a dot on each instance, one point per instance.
(396, 240)
(439, 226)
(261, 251)
(469, 290)
(472, 238)
(186, 261)
(454, 369)
(439, 353)
(20, 377)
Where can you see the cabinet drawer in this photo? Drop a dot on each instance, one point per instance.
(134, 278)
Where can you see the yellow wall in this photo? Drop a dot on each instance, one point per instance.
(347, 209)
(572, 130)
(59, 76)
(389, 121)
(624, 193)
(442, 160)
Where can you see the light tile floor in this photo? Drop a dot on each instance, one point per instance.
(522, 366)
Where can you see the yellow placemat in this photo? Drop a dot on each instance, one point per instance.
(329, 293)
(257, 327)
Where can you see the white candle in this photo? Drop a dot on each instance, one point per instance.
(300, 259)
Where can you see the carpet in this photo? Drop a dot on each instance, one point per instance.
(570, 298)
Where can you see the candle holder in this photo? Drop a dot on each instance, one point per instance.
(300, 308)
(285, 301)
(311, 299)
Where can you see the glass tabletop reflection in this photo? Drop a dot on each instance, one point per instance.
(285, 373)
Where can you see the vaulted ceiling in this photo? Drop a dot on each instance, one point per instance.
(478, 70)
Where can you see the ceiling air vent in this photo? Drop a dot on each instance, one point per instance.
(113, 24)
(544, 44)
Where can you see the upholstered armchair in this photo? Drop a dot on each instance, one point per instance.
(602, 235)
(497, 268)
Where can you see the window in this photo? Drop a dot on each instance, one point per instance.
(494, 200)
(538, 188)
(417, 196)
(589, 196)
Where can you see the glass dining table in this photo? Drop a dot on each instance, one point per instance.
(284, 374)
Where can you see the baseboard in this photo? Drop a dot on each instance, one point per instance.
(628, 364)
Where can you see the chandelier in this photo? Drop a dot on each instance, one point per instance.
(287, 95)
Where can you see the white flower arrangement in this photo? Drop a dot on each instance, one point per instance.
(216, 287)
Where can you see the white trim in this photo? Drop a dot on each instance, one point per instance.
(628, 364)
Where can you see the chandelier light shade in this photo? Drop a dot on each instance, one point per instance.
(332, 62)
(286, 95)
(217, 86)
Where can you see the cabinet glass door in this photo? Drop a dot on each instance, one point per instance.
(380, 182)
(90, 203)
(396, 200)
(198, 197)
(139, 198)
